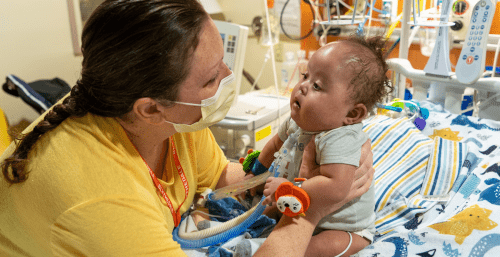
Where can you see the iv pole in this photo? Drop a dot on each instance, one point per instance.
(403, 47)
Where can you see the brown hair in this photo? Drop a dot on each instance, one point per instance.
(370, 82)
(131, 49)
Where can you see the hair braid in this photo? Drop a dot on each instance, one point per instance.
(24, 144)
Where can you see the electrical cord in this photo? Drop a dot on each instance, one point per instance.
(392, 48)
(281, 21)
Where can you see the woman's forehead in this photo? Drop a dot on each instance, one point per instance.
(209, 51)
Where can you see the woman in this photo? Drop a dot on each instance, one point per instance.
(109, 170)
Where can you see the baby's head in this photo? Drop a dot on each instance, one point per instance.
(343, 82)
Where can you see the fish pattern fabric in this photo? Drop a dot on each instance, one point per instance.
(463, 219)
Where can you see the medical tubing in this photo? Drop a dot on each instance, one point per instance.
(220, 233)
(266, 58)
(240, 187)
(275, 74)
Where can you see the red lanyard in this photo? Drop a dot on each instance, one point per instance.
(175, 213)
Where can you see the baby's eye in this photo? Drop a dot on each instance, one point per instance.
(316, 87)
(304, 75)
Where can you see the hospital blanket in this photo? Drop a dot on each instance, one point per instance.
(464, 221)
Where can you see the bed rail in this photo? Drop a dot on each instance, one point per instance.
(447, 91)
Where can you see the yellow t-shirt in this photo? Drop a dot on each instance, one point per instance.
(89, 193)
(4, 136)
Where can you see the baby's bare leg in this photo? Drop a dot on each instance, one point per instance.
(334, 242)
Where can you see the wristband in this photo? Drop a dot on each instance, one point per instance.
(291, 199)
(249, 161)
(258, 168)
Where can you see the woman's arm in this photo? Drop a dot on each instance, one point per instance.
(292, 235)
(233, 173)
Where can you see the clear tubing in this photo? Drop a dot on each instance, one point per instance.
(240, 224)
(273, 61)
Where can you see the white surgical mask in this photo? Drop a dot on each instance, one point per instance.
(213, 109)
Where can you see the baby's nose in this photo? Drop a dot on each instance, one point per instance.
(303, 88)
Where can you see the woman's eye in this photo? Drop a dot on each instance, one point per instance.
(210, 82)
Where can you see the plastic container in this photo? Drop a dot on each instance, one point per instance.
(275, 26)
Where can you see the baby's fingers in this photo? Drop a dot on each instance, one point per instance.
(267, 200)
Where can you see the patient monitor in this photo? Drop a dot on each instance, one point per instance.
(253, 118)
(234, 39)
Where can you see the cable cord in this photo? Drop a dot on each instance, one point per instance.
(281, 22)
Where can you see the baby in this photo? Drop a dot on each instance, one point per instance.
(343, 82)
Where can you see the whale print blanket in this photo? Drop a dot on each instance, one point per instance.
(456, 211)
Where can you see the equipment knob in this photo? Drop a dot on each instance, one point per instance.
(458, 25)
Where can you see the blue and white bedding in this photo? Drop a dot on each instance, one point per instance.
(456, 211)
(437, 190)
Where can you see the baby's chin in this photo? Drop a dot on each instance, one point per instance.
(305, 125)
(309, 125)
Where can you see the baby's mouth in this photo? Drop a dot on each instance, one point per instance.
(297, 104)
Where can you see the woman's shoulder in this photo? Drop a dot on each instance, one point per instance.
(82, 154)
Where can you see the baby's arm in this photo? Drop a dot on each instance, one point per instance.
(332, 184)
(266, 156)
(334, 181)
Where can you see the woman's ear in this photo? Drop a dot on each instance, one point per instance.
(356, 114)
(147, 110)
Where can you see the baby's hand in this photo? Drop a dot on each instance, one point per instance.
(272, 184)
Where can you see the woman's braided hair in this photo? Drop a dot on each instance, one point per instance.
(131, 49)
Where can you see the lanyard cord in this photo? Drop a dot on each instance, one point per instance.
(175, 213)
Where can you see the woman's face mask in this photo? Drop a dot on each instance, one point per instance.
(213, 109)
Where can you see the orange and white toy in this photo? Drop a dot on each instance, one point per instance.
(291, 199)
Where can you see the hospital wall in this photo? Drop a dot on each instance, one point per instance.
(35, 43)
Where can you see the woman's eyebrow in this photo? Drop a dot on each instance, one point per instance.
(211, 69)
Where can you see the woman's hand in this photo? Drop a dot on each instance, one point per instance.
(363, 177)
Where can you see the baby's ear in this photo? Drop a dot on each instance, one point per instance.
(356, 114)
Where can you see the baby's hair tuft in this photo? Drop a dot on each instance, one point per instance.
(369, 83)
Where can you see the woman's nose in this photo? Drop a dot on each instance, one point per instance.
(226, 71)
